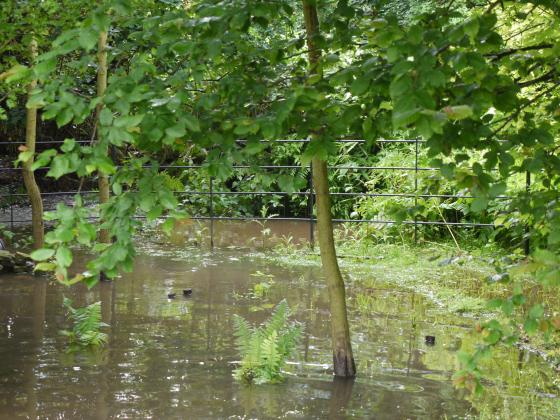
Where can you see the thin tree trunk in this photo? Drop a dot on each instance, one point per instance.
(342, 346)
(28, 175)
(343, 357)
(104, 236)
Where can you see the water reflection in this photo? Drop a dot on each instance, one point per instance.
(173, 358)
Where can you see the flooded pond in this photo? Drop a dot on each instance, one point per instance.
(173, 358)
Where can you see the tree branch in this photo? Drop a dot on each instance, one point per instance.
(521, 108)
(544, 78)
(511, 51)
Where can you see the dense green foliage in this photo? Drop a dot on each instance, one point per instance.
(86, 326)
(478, 81)
(265, 349)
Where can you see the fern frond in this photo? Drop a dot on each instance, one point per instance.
(86, 325)
(289, 340)
(243, 335)
(264, 350)
(278, 318)
(272, 358)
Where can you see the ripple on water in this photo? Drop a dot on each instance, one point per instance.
(166, 357)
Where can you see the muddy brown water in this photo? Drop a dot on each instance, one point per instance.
(173, 358)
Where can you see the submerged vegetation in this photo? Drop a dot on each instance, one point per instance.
(86, 326)
(265, 349)
(463, 281)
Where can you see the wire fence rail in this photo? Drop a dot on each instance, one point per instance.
(212, 193)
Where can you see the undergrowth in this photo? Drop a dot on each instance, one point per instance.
(265, 349)
(86, 326)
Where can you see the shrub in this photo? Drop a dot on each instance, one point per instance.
(86, 325)
(265, 349)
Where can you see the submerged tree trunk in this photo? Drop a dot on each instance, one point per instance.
(28, 175)
(343, 357)
(342, 345)
(104, 236)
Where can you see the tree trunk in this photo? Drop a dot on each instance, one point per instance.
(28, 175)
(342, 346)
(104, 236)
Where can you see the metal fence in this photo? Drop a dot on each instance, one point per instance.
(212, 193)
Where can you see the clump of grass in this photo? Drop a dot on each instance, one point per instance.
(265, 349)
(86, 326)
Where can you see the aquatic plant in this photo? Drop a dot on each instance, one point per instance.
(86, 325)
(260, 290)
(265, 349)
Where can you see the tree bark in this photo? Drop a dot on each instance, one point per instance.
(103, 180)
(28, 174)
(343, 357)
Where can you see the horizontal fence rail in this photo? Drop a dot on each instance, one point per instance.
(212, 193)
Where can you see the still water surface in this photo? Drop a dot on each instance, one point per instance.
(173, 358)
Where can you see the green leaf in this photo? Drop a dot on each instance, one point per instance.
(87, 39)
(403, 118)
(495, 303)
(44, 68)
(479, 204)
(493, 337)
(117, 188)
(105, 116)
(168, 226)
(64, 117)
(537, 311)
(128, 121)
(60, 165)
(176, 131)
(360, 85)
(25, 156)
(86, 233)
(14, 74)
(286, 183)
(167, 200)
(45, 266)
(400, 86)
(104, 165)
(458, 112)
(36, 100)
(68, 145)
(42, 254)
(192, 123)
(531, 326)
(497, 189)
(154, 213)
(471, 27)
(63, 256)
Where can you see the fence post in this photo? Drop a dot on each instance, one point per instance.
(415, 191)
(212, 212)
(526, 242)
(11, 198)
(310, 205)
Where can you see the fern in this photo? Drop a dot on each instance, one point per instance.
(243, 334)
(86, 325)
(264, 350)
